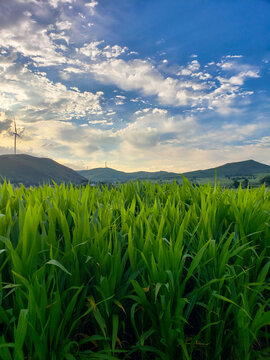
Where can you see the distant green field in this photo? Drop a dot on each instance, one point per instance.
(138, 271)
(231, 182)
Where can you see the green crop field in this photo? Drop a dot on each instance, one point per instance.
(137, 271)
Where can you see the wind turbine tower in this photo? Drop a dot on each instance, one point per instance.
(16, 134)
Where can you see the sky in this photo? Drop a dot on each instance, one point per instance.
(140, 84)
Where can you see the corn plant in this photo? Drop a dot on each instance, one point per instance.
(135, 271)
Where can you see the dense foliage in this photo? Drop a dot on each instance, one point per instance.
(139, 271)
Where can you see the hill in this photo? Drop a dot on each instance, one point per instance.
(31, 170)
(242, 168)
(113, 176)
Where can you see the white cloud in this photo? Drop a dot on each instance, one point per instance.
(91, 5)
(157, 128)
(63, 25)
(133, 53)
(235, 66)
(145, 110)
(159, 111)
(95, 122)
(140, 75)
(240, 78)
(66, 72)
(94, 51)
(154, 127)
(91, 50)
(113, 51)
(196, 91)
(56, 3)
(35, 97)
(192, 67)
(234, 56)
(29, 38)
(202, 75)
(119, 99)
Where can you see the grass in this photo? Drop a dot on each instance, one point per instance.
(139, 271)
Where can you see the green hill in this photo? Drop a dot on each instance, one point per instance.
(242, 168)
(31, 170)
(111, 175)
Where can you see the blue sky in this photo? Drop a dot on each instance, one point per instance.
(140, 84)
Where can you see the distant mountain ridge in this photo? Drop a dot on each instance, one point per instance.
(112, 175)
(31, 170)
(241, 168)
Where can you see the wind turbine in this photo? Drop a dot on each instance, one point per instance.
(16, 134)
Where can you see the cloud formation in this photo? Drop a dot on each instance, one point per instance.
(34, 97)
(191, 87)
(84, 98)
